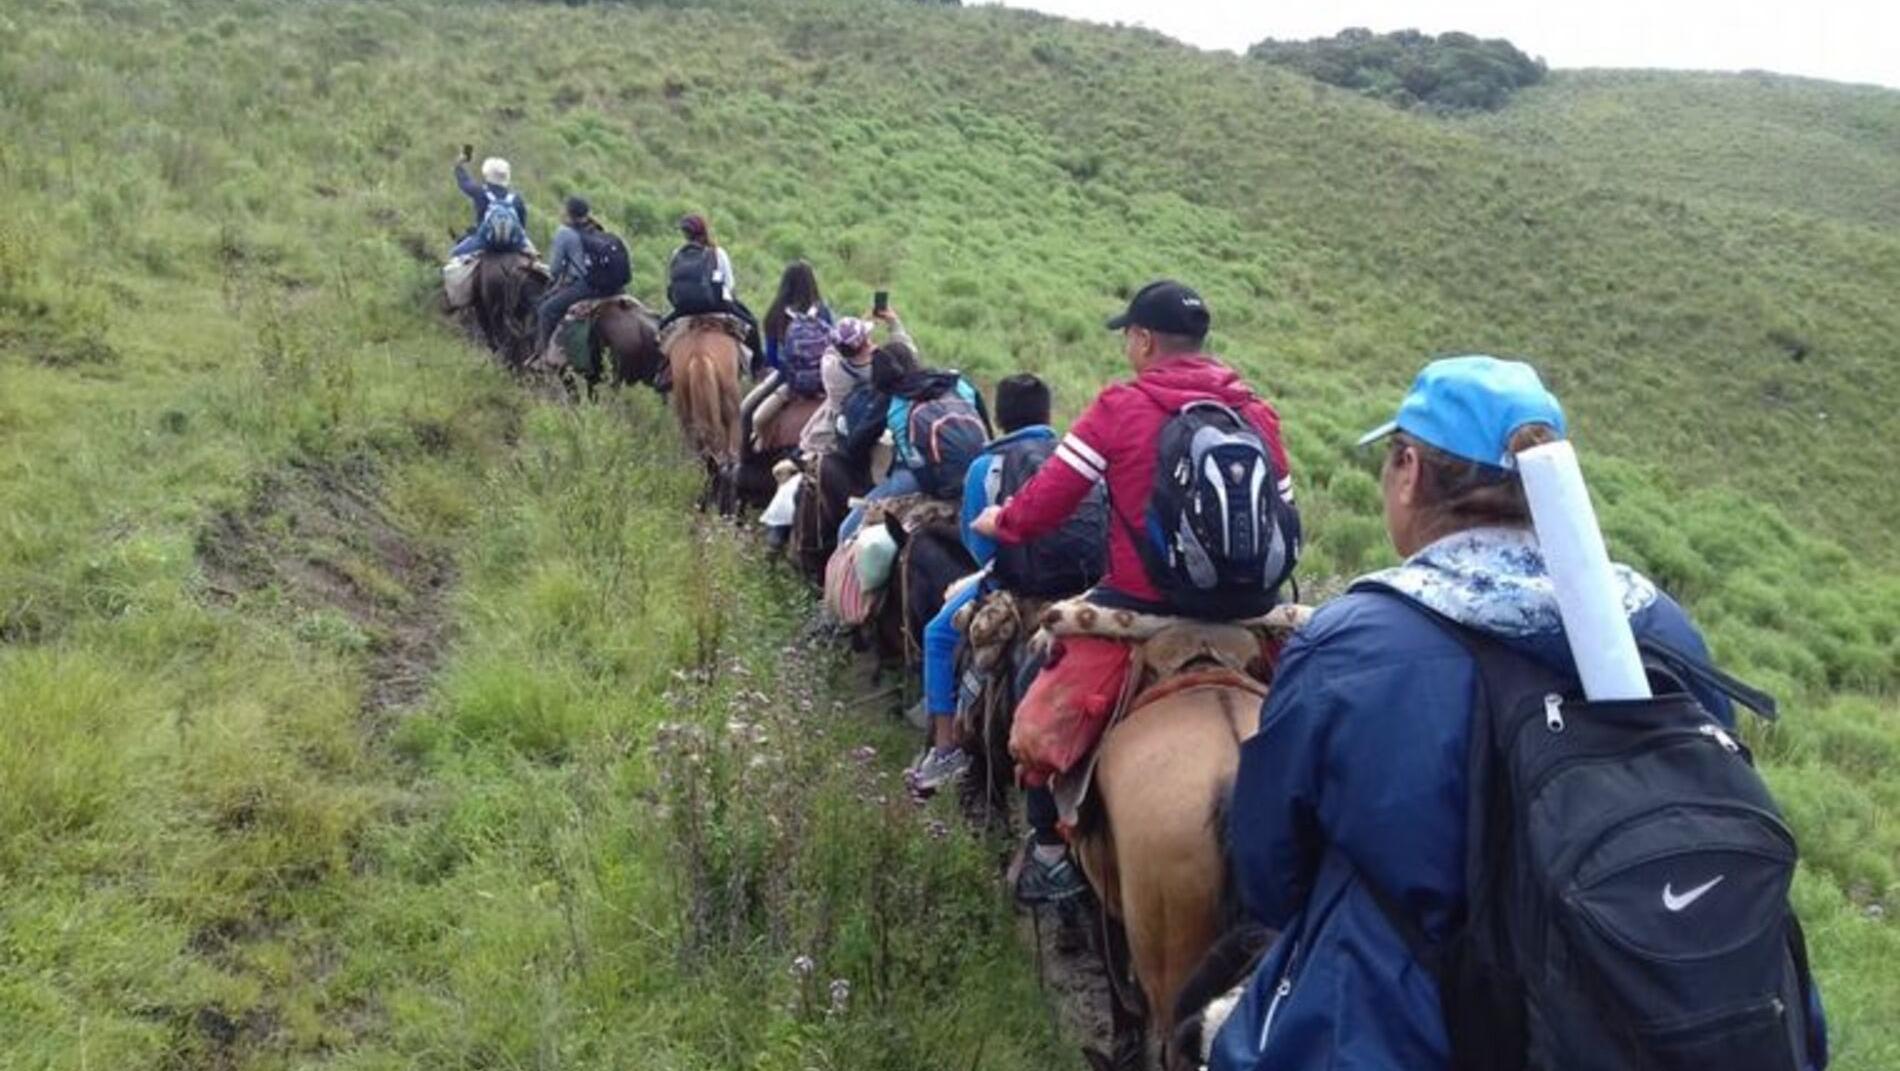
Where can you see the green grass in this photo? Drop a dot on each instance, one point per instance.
(249, 489)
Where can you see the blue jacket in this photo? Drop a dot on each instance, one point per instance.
(980, 490)
(1359, 770)
(482, 195)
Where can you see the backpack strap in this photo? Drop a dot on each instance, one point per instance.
(1689, 667)
(1503, 675)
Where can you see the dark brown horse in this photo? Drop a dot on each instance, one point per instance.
(507, 288)
(632, 335)
(929, 560)
(764, 443)
(824, 497)
(623, 345)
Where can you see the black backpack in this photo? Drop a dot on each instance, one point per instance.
(1627, 882)
(1219, 540)
(690, 286)
(609, 269)
(1068, 560)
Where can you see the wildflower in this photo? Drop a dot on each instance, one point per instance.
(935, 829)
(840, 997)
(863, 755)
(802, 967)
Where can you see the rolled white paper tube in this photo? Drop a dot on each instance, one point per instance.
(1579, 565)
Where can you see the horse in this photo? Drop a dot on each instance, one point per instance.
(763, 445)
(631, 335)
(703, 355)
(929, 560)
(507, 288)
(824, 497)
(1153, 848)
(623, 344)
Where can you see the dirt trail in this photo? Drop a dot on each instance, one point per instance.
(321, 537)
(318, 543)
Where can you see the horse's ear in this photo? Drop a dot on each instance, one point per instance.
(898, 535)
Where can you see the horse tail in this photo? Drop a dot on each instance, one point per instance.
(708, 424)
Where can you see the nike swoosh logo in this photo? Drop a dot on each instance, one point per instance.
(1672, 902)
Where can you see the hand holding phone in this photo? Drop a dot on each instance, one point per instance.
(880, 302)
(468, 152)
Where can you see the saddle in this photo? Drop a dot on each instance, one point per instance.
(586, 310)
(913, 513)
(1165, 657)
(713, 321)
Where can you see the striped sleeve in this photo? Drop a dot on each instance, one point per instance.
(1075, 452)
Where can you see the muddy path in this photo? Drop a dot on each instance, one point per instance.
(320, 541)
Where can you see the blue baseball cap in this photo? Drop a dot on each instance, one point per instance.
(1470, 406)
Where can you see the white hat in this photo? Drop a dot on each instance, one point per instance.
(495, 170)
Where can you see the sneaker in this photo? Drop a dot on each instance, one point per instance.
(1048, 883)
(937, 769)
(917, 716)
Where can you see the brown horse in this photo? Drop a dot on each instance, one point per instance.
(1152, 848)
(704, 356)
(507, 288)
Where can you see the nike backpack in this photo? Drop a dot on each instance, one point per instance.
(1067, 561)
(1627, 882)
(1220, 540)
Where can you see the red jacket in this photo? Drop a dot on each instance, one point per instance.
(1117, 440)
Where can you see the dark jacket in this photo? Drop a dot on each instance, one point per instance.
(481, 195)
(1358, 772)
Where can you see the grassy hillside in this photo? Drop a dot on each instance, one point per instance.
(1765, 141)
(361, 710)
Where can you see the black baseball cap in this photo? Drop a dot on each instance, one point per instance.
(1167, 307)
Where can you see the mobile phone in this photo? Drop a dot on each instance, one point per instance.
(468, 152)
(880, 301)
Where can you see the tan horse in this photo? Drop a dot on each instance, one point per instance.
(1154, 852)
(704, 359)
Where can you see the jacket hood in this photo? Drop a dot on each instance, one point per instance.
(1494, 580)
(1176, 381)
(1023, 434)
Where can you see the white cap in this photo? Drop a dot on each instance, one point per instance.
(495, 170)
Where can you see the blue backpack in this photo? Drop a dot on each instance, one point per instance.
(942, 435)
(500, 230)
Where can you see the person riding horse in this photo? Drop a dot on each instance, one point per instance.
(571, 279)
(701, 281)
(1022, 414)
(501, 214)
(1118, 442)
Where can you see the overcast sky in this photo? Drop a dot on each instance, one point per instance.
(1845, 40)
